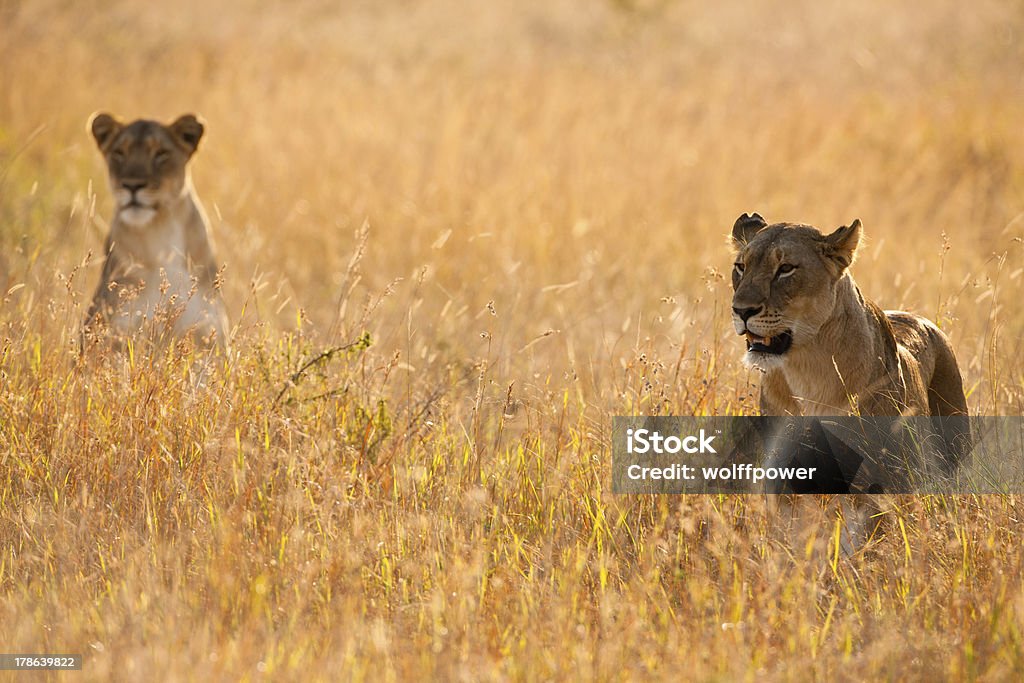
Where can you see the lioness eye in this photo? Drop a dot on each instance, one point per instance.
(738, 267)
(117, 155)
(161, 156)
(786, 268)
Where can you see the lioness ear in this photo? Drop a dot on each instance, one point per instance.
(188, 130)
(104, 127)
(745, 227)
(842, 244)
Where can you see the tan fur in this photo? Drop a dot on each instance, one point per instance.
(160, 272)
(847, 355)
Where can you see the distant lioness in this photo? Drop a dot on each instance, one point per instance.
(160, 273)
(824, 348)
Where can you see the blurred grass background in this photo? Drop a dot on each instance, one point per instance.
(546, 189)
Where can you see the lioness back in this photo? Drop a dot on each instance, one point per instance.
(922, 340)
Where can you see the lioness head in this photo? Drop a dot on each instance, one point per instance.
(784, 283)
(146, 161)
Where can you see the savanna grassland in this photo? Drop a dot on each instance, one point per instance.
(459, 238)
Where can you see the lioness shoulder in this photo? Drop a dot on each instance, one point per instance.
(160, 273)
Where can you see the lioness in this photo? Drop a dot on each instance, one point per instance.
(160, 272)
(823, 347)
(826, 350)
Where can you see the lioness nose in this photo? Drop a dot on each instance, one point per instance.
(746, 314)
(133, 186)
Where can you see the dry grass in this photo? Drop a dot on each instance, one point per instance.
(547, 187)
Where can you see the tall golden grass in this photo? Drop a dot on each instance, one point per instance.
(459, 238)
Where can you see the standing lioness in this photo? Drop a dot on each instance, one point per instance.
(826, 350)
(160, 273)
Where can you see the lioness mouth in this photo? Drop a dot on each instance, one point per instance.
(777, 344)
